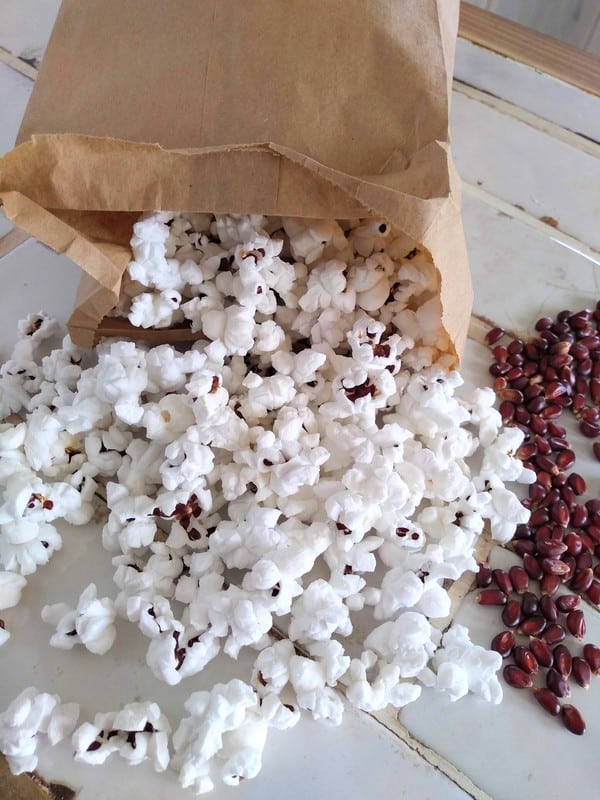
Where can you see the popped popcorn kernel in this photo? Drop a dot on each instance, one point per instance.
(311, 465)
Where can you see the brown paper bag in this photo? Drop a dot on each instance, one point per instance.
(310, 108)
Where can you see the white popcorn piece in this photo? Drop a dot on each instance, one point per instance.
(30, 714)
(225, 735)
(26, 545)
(11, 586)
(505, 511)
(407, 641)
(168, 419)
(233, 325)
(463, 666)
(386, 688)
(400, 588)
(318, 613)
(89, 624)
(155, 311)
(308, 238)
(138, 732)
(37, 327)
(269, 337)
(500, 460)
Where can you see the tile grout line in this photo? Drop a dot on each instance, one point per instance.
(556, 131)
(513, 211)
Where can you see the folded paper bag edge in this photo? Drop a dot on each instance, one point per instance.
(42, 166)
(78, 171)
(62, 238)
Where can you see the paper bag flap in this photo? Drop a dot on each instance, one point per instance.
(314, 108)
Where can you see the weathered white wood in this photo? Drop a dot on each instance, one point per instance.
(539, 225)
(528, 167)
(525, 87)
(520, 274)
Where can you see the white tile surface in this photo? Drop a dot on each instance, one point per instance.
(5, 225)
(548, 97)
(14, 94)
(38, 280)
(528, 167)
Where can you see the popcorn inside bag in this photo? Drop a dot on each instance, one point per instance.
(310, 460)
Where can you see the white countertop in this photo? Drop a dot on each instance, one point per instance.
(523, 143)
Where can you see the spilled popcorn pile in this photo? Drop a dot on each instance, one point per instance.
(309, 459)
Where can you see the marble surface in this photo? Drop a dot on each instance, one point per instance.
(522, 268)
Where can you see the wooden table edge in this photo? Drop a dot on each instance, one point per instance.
(537, 50)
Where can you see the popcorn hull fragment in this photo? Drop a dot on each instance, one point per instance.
(303, 129)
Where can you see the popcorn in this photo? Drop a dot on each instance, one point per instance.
(370, 235)
(462, 666)
(225, 735)
(400, 588)
(26, 545)
(310, 456)
(483, 412)
(327, 286)
(89, 624)
(384, 689)
(37, 327)
(124, 377)
(11, 586)
(407, 641)
(318, 613)
(138, 732)
(499, 458)
(30, 714)
(505, 512)
(155, 311)
(234, 326)
(308, 238)
(168, 419)
(269, 337)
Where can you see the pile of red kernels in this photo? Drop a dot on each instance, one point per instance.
(536, 381)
